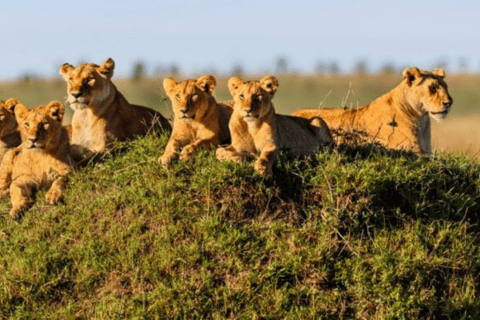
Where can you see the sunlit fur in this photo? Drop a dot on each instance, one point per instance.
(257, 130)
(9, 134)
(399, 119)
(101, 113)
(41, 161)
(199, 120)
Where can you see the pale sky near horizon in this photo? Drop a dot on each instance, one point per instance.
(38, 36)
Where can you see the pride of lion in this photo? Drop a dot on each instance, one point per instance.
(37, 151)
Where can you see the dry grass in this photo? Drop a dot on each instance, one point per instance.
(460, 134)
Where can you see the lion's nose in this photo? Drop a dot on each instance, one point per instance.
(447, 104)
(76, 94)
(33, 139)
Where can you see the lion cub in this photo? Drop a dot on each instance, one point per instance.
(400, 119)
(40, 161)
(101, 113)
(256, 129)
(9, 134)
(199, 119)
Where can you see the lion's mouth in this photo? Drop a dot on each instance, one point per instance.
(187, 117)
(36, 146)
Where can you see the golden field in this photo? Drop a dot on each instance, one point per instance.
(460, 132)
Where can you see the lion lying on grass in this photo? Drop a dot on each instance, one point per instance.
(256, 129)
(199, 119)
(399, 119)
(101, 113)
(43, 158)
(9, 134)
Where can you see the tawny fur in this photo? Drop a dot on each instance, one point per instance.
(41, 161)
(9, 134)
(101, 113)
(399, 119)
(257, 130)
(199, 120)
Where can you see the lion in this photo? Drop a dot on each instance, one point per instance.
(400, 119)
(43, 158)
(198, 119)
(255, 128)
(9, 133)
(101, 113)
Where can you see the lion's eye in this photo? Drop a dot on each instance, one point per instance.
(259, 98)
(194, 97)
(46, 125)
(177, 96)
(91, 82)
(70, 80)
(241, 97)
(433, 89)
(26, 125)
(2, 117)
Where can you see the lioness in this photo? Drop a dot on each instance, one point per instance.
(199, 119)
(256, 129)
(101, 113)
(398, 119)
(42, 158)
(9, 134)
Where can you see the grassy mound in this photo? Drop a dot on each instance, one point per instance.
(352, 233)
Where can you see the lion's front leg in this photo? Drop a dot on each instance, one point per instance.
(173, 146)
(230, 153)
(191, 149)
(21, 196)
(264, 163)
(6, 173)
(56, 191)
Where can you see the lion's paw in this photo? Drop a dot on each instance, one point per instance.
(53, 196)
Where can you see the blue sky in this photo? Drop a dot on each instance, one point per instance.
(203, 35)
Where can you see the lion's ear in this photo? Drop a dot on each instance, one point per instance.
(233, 84)
(269, 84)
(439, 72)
(207, 83)
(21, 112)
(411, 74)
(55, 110)
(65, 69)
(10, 104)
(169, 85)
(106, 69)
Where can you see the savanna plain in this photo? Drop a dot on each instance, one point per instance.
(352, 232)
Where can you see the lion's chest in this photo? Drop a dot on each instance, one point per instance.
(36, 166)
(88, 130)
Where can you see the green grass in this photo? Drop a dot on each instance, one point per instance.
(348, 233)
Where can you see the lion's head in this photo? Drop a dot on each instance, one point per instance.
(190, 97)
(428, 92)
(253, 98)
(41, 128)
(88, 84)
(8, 122)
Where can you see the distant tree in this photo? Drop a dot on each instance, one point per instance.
(388, 68)
(334, 68)
(27, 77)
(361, 67)
(173, 69)
(237, 70)
(462, 65)
(442, 63)
(138, 72)
(281, 65)
(320, 67)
